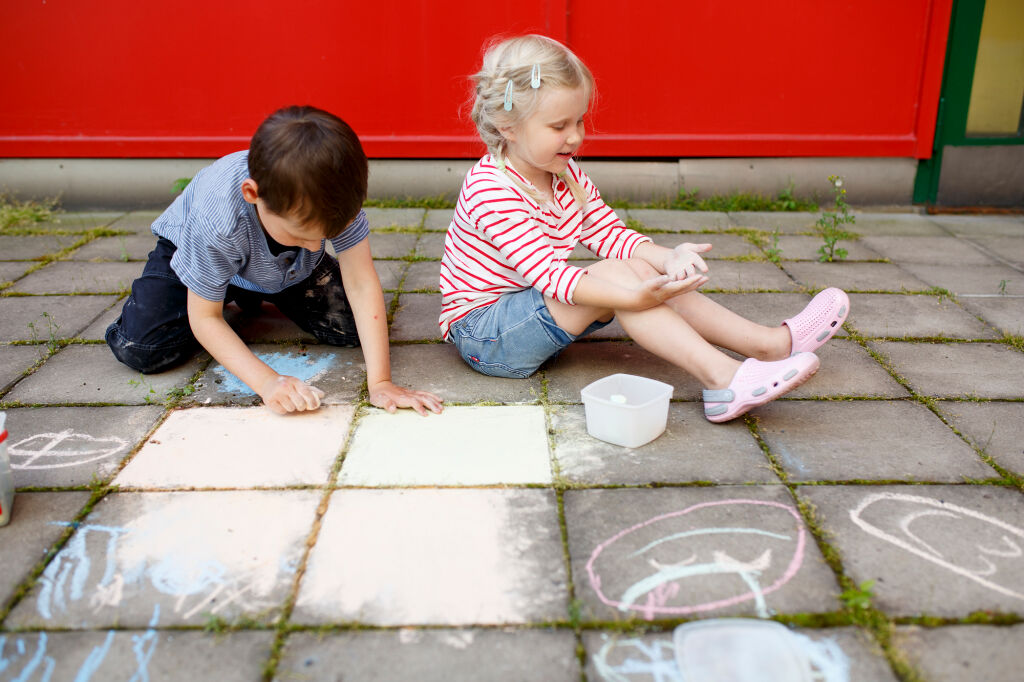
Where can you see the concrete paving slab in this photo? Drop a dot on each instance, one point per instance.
(423, 276)
(948, 251)
(394, 217)
(15, 361)
(883, 440)
(962, 652)
(700, 552)
(971, 279)
(91, 374)
(416, 318)
(339, 372)
(186, 556)
(677, 221)
(1005, 250)
(1006, 313)
(957, 370)
(438, 219)
(691, 449)
(586, 362)
(140, 222)
(722, 245)
(392, 244)
(805, 247)
(390, 273)
(38, 521)
(66, 277)
(119, 248)
(137, 655)
(854, 276)
(507, 655)
(406, 449)
(437, 367)
(896, 224)
(33, 246)
(650, 657)
(430, 245)
(72, 446)
(910, 316)
(239, 447)
(98, 329)
(12, 271)
(995, 427)
(975, 225)
(725, 275)
(42, 318)
(943, 551)
(83, 220)
(481, 556)
(784, 222)
(847, 370)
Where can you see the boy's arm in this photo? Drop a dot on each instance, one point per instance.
(365, 296)
(280, 393)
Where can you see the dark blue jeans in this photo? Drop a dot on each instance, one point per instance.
(153, 334)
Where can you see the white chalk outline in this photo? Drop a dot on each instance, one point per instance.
(50, 450)
(933, 555)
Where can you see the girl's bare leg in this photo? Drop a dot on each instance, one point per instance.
(721, 326)
(660, 329)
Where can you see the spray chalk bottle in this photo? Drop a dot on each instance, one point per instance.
(6, 480)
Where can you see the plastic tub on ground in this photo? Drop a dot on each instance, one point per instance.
(626, 410)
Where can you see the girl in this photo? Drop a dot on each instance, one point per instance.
(510, 300)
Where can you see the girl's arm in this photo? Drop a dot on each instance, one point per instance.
(678, 263)
(365, 296)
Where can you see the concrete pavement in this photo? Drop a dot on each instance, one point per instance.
(168, 526)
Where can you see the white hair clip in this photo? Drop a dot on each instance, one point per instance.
(535, 76)
(508, 96)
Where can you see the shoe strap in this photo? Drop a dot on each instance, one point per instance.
(719, 395)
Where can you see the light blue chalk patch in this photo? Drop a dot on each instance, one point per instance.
(302, 367)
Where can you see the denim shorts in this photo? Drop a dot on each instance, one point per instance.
(513, 336)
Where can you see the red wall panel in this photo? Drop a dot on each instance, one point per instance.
(122, 78)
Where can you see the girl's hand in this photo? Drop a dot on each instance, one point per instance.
(659, 289)
(388, 396)
(684, 261)
(284, 394)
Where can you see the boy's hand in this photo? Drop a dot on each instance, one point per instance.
(685, 261)
(390, 397)
(284, 394)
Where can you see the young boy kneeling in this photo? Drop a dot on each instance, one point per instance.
(252, 227)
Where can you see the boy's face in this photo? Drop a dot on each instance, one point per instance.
(285, 230)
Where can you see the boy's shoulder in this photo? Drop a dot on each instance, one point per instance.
(212, 201)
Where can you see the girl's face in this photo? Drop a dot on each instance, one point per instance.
(544, 142)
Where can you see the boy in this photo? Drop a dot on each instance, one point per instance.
(252, 227)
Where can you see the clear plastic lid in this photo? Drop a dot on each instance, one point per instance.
(744, 650)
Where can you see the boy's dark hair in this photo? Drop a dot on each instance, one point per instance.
(308, 163)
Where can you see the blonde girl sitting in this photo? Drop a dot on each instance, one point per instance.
(510, 299)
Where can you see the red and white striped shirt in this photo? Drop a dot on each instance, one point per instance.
(501, 241)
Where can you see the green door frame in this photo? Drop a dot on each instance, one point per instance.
(955, 98)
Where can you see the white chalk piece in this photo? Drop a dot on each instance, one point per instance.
(617, 398)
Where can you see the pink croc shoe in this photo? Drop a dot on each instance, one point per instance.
(757, 383)
(819, 321)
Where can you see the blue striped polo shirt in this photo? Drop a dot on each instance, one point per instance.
(220, 239)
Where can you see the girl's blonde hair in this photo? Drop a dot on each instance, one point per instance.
(520, 61)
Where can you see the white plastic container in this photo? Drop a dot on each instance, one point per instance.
(626, 410)
(6, 480)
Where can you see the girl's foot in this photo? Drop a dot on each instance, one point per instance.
(819, 321)
(757, 383)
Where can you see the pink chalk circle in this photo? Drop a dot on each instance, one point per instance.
(661, 593)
